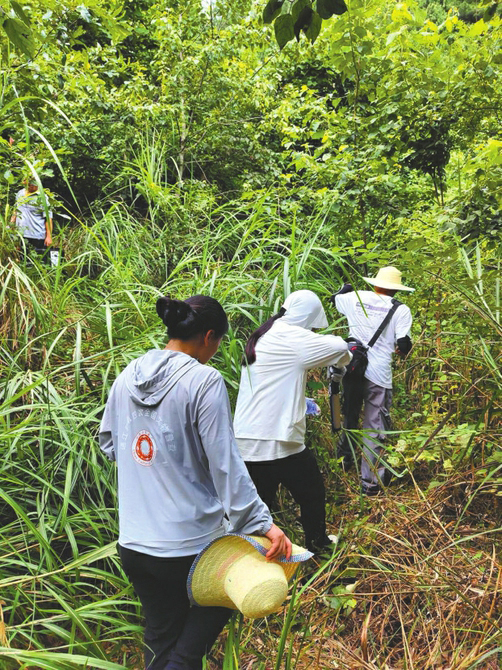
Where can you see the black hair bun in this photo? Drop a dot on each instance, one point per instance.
(197, 315)
(161, 306)
(177, 315)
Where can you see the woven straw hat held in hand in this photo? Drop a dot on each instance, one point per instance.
(232, 572)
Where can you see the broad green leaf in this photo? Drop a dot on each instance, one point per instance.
(79, 30)
(298, 7)
(314, 28)
(315, 386)
(20, 12)
(339, 7)
(323, 9)
(303, 21)
(490, 12)
(478, 28)
(20, 35)
(272, 10)
(284, 29)
(84, 13)
(391, 37)
(326, 8)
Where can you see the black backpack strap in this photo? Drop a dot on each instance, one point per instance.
(388, 317)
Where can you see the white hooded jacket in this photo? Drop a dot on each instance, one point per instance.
(269, 420)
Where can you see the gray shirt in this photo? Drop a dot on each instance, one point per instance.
(168, 425)
(30, 217)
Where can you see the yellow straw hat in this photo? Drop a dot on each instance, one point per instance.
(232, 572)
(388, 277)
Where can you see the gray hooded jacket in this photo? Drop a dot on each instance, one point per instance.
(168, 425)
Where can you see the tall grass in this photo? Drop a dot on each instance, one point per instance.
(67, 332)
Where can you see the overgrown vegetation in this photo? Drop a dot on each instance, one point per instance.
(193, 156)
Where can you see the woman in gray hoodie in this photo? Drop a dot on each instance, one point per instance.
(181, 479)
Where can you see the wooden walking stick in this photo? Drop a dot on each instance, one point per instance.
(334, 399)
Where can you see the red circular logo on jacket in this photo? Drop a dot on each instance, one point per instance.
(143, 448)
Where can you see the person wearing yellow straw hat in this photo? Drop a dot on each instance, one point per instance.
(182, 484)
(366, 312)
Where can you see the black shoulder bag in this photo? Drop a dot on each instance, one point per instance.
(357, 366)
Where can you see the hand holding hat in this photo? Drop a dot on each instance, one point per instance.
(233, 571)
(281, 544)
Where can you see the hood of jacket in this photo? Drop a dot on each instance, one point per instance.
(304, 309)
(150, 377)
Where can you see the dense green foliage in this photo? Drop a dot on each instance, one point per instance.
(193, 155)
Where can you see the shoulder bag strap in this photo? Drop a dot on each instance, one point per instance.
(388, 317)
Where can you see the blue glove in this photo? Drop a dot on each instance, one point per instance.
(313, 408)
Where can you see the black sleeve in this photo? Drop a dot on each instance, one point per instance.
(404, 345)
(346, 288)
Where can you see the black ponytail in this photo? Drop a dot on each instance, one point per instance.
(249, 352)
(185, 319)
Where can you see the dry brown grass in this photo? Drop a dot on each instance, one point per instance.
(428, 589)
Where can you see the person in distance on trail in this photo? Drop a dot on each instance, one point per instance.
(168, 426)
(365, 311)
(31, 220)
(269, 417)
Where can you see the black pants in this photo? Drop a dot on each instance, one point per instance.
(36, 246)
(300, 475)
(177, 635)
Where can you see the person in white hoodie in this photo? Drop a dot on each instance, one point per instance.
(269, 419)
(168, 426)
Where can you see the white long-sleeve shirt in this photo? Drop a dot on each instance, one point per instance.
(365, 311)
(269, 419)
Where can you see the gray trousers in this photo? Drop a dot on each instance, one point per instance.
(376, 422)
